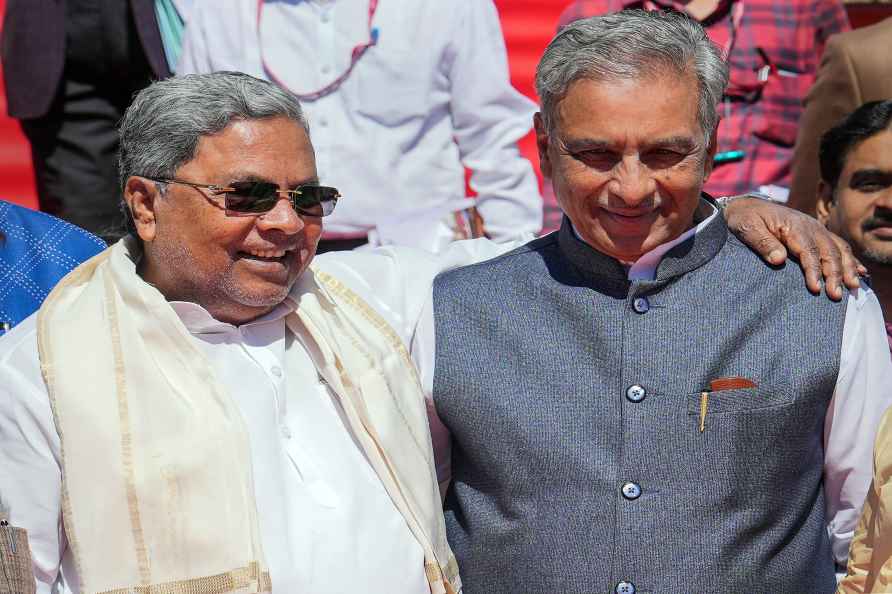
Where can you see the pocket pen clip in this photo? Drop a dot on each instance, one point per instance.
(719, 385)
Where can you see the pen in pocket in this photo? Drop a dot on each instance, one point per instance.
(719, 385)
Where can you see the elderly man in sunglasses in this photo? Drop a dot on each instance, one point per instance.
(200, 409)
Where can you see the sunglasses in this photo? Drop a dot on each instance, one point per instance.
(256, 197)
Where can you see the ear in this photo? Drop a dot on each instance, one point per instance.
(542, 143)
(710, 154)
(825, 202)
(141, 195)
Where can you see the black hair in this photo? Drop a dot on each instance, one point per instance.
(836, 144)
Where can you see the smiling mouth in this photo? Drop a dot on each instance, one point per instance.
(629, 216)
(266, 255)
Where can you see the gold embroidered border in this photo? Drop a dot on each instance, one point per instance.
(449, 578)
(142, 557)
(452, 569)
(250, 577)
(433, 572)
(74, 277)
(335, 286)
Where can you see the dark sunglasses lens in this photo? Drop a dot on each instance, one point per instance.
(316, 201)
(252, 197)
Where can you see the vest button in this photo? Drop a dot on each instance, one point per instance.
(625, 588)
(641, 305)
(631, 491)
(636, 393)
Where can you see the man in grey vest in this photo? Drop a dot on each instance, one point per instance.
(637, 403)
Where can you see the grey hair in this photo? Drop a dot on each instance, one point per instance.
(161, 128)
(628, 45)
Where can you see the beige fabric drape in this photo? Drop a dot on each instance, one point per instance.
(157, 493)
(870, 556)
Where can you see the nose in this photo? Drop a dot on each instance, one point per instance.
(282, 217)
(632, 183)
(884, 200)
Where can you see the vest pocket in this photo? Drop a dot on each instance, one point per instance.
(741, 400)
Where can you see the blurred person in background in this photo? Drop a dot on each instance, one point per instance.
(855, 201)
(71, 67)
(403, 96)
(855, 69)
(773, 48)
(854, 192)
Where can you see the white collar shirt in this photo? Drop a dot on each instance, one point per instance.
(327, 524)
(429, 99)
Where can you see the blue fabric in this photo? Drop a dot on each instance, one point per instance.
(36, 251)
(170, 25)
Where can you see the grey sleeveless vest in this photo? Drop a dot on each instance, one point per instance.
(573, 397)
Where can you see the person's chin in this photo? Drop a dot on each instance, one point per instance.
(877, 252)
(261, 288)
(265, 296)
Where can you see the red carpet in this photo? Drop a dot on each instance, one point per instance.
(16, 176)
(528, 25)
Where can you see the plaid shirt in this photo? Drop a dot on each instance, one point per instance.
(759, 119)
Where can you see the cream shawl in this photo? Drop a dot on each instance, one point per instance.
(157, 490)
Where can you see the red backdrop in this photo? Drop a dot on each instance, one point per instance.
(16, 176)
(528, 25)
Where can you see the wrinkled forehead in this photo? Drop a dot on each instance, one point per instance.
(270, 146)
(661, 104)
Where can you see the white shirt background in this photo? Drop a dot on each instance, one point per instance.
(431, 98)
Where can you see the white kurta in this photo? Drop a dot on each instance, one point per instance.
(326, 521)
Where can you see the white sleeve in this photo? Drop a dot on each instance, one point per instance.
(30, 471)
(489, 117)
(397, 281)
(195, 55)
(863, 392)
(424, 354)
(218, 37)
